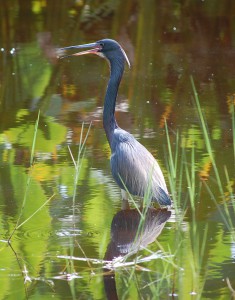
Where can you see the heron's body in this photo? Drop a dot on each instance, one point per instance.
(133, 166)
(135, 169)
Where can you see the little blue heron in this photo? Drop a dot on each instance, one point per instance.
(133, 167)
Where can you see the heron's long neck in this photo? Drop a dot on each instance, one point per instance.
(109, 121)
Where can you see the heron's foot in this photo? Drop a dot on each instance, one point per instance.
(125, 203)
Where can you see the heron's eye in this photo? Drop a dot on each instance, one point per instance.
(102, 45)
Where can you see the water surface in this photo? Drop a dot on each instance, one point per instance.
(62, 251)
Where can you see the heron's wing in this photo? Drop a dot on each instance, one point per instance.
(134, 167)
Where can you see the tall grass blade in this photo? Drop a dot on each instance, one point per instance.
(30, 217)
(28, 178)
(173, 166)
(34, 139)
(22, 271)
(225, 212)
(77, 163)
(70, 267)
(207, 138)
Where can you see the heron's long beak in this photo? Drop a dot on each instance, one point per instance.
(95, 47)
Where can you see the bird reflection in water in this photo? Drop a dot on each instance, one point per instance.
(129, 234)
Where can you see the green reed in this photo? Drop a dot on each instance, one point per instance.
(20, 262)
(182, 167)
(70, 266)
(31, 165)
(28, 179)
(175, 163)
(78, 162)
(206, 137)
(226, 216)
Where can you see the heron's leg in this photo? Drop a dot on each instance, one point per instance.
(124, 194)
(125, 204)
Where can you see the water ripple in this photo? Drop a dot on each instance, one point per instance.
(34, 233)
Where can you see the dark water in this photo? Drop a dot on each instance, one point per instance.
(64, 250)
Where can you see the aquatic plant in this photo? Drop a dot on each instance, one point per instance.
(29, 177)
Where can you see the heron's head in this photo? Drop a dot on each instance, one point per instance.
(105, 48)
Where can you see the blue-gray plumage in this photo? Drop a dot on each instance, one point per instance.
(133, 166)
